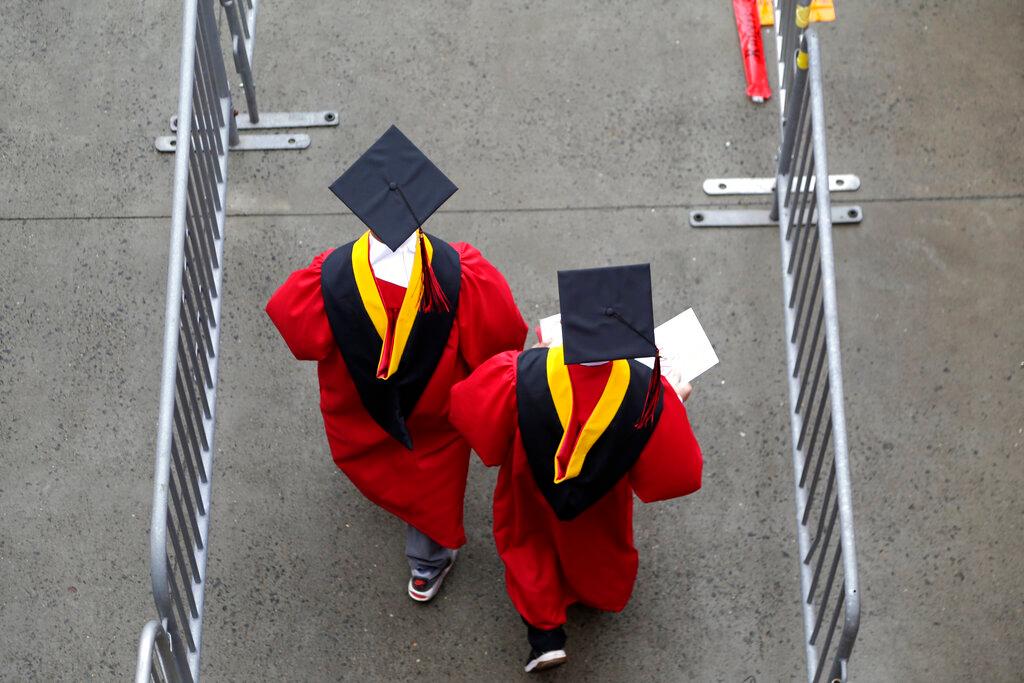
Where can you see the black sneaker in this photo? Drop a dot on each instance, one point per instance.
(424, 590)
(539, 661)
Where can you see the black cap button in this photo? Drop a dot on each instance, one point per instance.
(393, 186)
(609, 311)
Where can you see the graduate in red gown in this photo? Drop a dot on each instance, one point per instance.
(575, 437)
(394, 319)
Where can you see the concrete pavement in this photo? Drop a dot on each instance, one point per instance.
(585, 129)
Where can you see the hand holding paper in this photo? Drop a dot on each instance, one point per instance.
(682, 389)
(549, 331)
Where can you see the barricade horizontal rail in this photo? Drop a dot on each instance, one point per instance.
(825, 531)
(179, 530)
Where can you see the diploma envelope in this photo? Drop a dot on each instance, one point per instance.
(685, 348)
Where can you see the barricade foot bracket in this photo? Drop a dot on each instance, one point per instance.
(842, 214)
(281, 119)
(246, 143)
(719, 186)
(292, 119)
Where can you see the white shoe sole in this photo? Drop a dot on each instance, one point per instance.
(548, 660)
(427, 596)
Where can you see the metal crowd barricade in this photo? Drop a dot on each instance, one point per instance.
(241, 21)
(828, 568)
(179, 530)
(206, 128)
(804, 214)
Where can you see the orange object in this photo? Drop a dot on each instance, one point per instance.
(822, 11)
(748, 26)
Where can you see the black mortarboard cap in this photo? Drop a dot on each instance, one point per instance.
(393, 188)
(607, 313)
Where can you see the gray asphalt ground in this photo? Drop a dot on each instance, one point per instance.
(579, 133)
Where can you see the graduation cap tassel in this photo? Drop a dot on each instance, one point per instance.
(654, 389)
(433, 298)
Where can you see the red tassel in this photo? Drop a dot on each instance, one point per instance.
(653, 394)
(433, 298)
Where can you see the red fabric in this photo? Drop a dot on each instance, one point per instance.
(587, 383)
(424, 487)
(551, 564)
(392, 296)
(748, 27)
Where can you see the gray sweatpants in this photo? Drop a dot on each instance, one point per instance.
(426, 557)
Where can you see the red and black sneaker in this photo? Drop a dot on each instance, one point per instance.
(424, 590)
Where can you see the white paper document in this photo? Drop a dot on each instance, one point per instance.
(685, 348)
(551, 330)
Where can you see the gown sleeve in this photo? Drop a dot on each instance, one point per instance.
(483, 408)
(489, 320)
(297, 310)
(670, 465)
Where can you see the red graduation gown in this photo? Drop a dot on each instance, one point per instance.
(424, 487)
(551, 564)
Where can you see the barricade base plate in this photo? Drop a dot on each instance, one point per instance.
(294, 119)
(719, 186)
(274, 141)
(281, 119)
(842, 214)
(246, 143)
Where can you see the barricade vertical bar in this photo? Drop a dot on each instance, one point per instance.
(794, 24)
(827, 499)
(240, 49)
(793, 112)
